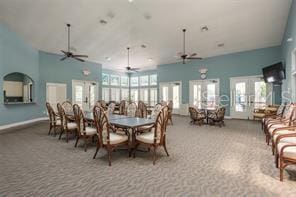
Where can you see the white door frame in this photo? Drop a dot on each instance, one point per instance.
(248, 80)
(85, 81)
(191, 82)
(170, 95)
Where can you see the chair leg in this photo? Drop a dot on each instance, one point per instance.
(98, 147)
(77, 139)
(50, 127)
(276, 160)
(85, 144)
(154, 154)
(109, 156)
(62, 131)
(165, 149)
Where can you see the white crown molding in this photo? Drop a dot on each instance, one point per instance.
(2, 127)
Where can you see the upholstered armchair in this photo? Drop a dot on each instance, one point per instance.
(155, 138)
(197, 116)
(67, 125)
(217, 116)
(54, 120)
(83, 130)
(107, 138)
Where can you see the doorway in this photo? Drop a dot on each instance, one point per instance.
(85, 94)
(172, 91)
(247, 94)
(204, 93)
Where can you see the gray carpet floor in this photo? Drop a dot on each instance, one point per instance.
(204, 161)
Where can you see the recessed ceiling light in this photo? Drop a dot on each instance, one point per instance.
(150, 59)
(103, 22)
(220, 45)
(130, 1)
(108, 58)
(204, 28)
(290, 39)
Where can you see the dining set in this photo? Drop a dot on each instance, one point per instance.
(127, 129)
(211, 116)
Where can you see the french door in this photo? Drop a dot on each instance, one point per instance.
(247, 94)
(172, 91)
(204, 93)
(85, 94)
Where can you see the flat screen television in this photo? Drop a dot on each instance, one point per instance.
(274, 73)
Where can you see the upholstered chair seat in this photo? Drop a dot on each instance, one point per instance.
(281, 132)
(147, 138)
(276, 126)
(89, 131)
(289, 151)
(116, 138)
(71, 125)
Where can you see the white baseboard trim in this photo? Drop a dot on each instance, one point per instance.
(22, 123)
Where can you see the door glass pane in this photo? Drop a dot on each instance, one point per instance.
(165, 93)
(197, 95)
(211, 96)
(78, 95)
(260, 94)
(176, 96)
(153, 96)
(240, 97)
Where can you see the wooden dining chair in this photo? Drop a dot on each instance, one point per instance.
(67, 125)
(101, 103)
(68, 107)
(154, 113)
(131, 110)
(170, 112)
(84, 131)
(111, 108)
(54, 120)
(107, 136)
(121, 107)
(155, 138)
(142, 110)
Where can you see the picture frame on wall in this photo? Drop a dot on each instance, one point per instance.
(105, 79)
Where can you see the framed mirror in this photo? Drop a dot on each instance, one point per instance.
(17, 88)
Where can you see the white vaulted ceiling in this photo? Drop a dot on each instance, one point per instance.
(239, 24)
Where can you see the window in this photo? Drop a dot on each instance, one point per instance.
(144, 95)
(105, 94)
(153, 80)
(124, 94)
(153, 96)
(115, 94)
(115, 80)
(134, 95)
(124, 81)
(105, 79)
(134, 81)
(144, 81)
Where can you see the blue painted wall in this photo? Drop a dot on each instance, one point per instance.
(222, 67)
(52, 70)
(17, 56)
(288, 47)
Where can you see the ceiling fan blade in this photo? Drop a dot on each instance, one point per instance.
(66, 53)
(85, 56)
(193, 54)
(79, 59)
(62, 59)
(194, 58)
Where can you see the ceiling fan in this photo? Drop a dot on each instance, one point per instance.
(129, 69)
(69, 54)
(183, 54)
